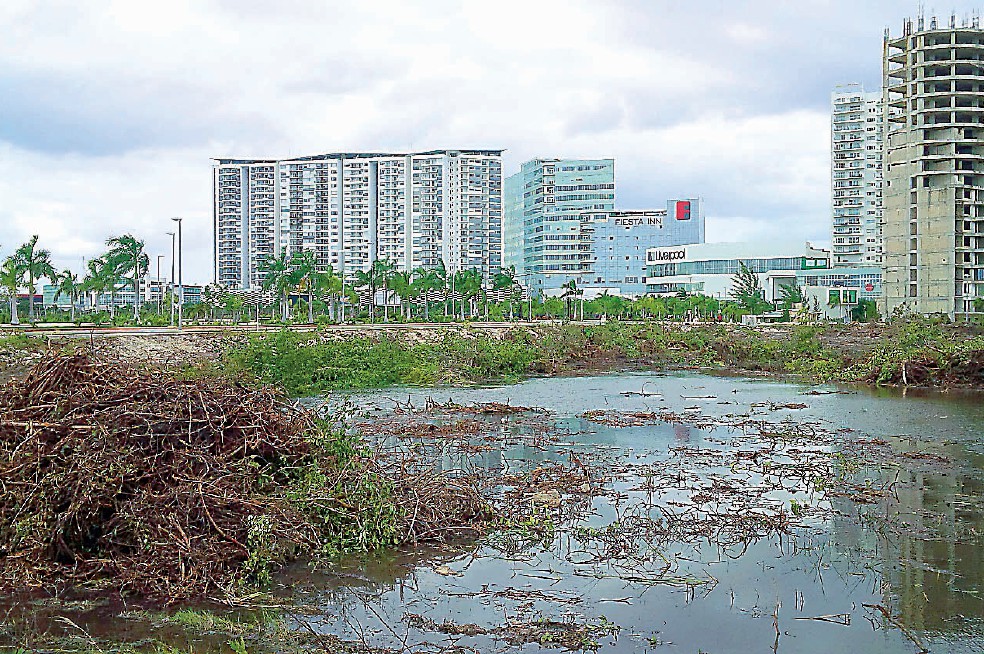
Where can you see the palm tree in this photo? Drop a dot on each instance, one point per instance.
(384, 272)
(378, 274)
(571, 293)
(233, 303)
(366, 279)
(424, 281)
(102, 278)
(506, 279)
(34, 264)
(277, 276)
(127, 252)
(610, 304)
(402, 285)
(10, 277)
(90, 284)
(469, 284)
(327, 283)
(67, 283)
(442, 281)
(303, 267)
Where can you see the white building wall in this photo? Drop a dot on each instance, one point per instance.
(413, 210)
(427, 210)
(857, 134)
(710, 268)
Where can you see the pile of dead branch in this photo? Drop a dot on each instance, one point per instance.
(147, 483)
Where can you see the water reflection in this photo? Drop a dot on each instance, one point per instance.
(916, 551)
(908, 539)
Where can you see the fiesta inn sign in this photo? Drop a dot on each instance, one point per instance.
(648, 220)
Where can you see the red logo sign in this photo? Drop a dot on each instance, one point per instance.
(683, 210)
(869, 287)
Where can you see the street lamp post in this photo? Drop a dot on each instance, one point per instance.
(180, 283)
(171, 285)
(160, 287)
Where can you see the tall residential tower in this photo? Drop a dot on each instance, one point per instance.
(934, 168)
(350, 209)
(856, 133)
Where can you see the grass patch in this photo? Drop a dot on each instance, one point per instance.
(306, 364)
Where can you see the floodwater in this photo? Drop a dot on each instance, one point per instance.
(746, 521)
(893, 576)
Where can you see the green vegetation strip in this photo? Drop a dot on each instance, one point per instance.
(913, 352)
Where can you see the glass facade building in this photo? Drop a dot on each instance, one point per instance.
(561, 225)
(544, 205)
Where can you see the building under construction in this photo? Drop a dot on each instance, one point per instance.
(934, 168)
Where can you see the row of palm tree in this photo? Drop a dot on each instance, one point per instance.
(24, 268)
(285, 274)
(124, 262)
(459, 293)
(462, 290)
(298, 274)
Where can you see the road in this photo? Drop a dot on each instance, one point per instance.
(69, 330)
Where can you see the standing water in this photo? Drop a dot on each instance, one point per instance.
(677, 513)
(724, 515)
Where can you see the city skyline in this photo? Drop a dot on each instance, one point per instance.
(93, 144)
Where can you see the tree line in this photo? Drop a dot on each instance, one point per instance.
(299, 275)
(124, 262)
(296, 282)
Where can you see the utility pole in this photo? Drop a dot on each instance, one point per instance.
(180, 283)
(160, 287)
(171, 285)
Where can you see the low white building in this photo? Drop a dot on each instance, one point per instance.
(710, 268)
(838, 292)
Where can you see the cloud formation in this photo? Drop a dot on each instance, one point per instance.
(109, 111)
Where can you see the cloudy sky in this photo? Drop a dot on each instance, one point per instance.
(111, 111)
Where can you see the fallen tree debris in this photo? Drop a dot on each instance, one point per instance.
(145, 482)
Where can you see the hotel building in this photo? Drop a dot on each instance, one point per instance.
(561, 225)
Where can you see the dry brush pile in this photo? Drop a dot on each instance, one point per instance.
(150, 484)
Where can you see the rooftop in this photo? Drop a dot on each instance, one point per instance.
(354, 155)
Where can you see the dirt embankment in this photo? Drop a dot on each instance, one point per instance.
(178, 350)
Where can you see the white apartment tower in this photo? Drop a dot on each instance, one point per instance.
(414, 210)
(856, 134)
(934, 168)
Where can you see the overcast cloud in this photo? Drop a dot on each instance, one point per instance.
(110, 111)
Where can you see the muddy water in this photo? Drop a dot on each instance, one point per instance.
(896, 561)
(856, 577)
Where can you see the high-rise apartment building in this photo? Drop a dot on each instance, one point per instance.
(246, 220)
(856, 134)
(350, 209)
(934, 168)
